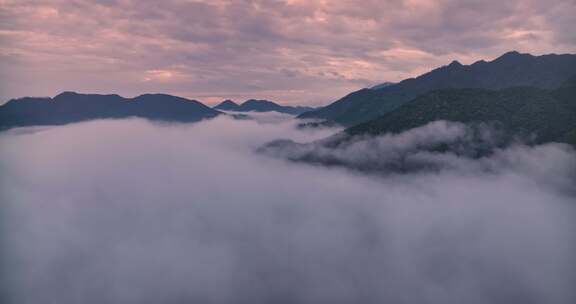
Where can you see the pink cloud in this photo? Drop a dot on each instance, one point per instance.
(292, 51)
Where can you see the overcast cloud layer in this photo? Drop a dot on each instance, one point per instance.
(291, 51)
(129, 212)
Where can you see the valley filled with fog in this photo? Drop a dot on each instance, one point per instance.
(132, 211)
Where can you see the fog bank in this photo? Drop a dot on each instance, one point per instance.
(129, 211)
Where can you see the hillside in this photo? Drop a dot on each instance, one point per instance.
(546, 115)
(512, 69)
(435, 129)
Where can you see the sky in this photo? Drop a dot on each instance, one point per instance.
(295, 52)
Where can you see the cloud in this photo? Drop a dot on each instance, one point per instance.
(159, 75)
(240, 49)
(128, 211)
(433, 148)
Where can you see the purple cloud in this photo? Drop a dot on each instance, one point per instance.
(290, 51)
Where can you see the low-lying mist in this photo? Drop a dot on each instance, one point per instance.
(434, 147)
(129, 211)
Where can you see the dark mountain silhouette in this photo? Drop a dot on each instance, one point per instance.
(227, 105)
(258, 105)
(382, 85)
(69, 107)
(492, 119)
(543, 115)
(512, 69)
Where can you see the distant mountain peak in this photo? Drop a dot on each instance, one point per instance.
(382, 85)
(258, 102)
(161, 97)
(67, 94)
(155, 95)
(227, 105)
(75, 97)
(455, 63)
(513, 55)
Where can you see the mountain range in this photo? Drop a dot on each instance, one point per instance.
(258, 105)
(517, 98)
(535, 114)
(69, 107)
(524, 95)
(482, 122)
(512, 69)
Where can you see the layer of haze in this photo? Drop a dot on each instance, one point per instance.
(129, 211)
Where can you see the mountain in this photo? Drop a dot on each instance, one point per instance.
(570, 137)
(512, 69)
(71, 107)
(227, 105)
(382, 85)
(256, 105)
(545, 115)
(432, 131)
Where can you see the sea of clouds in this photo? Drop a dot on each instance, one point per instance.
(130, 211)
